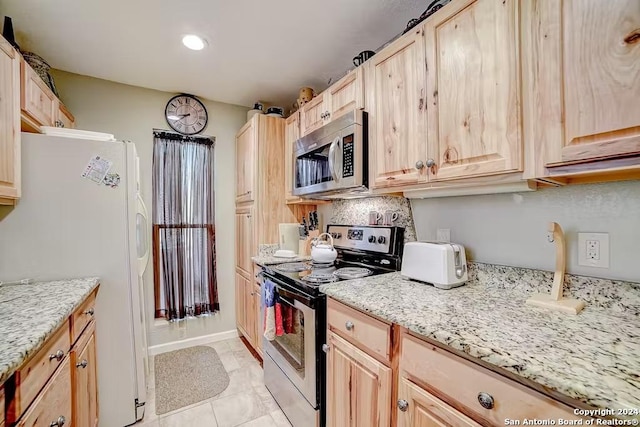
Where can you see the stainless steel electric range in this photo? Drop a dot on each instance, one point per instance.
(294, 363)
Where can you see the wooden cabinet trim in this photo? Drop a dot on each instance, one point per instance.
(311, 115)
(10, 156)
(37, 101)
(84, 379)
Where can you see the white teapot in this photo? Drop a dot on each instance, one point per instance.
(323, 252)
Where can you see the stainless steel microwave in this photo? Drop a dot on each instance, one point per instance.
(334, 158)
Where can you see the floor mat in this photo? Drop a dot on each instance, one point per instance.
(187, 376)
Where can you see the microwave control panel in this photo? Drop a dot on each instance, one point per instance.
(347, 156)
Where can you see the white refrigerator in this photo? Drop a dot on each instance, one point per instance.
(68, 225)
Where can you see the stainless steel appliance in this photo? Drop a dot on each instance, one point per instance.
(333, 159)
(294, 363)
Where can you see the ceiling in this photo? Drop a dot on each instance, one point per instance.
(258, 50)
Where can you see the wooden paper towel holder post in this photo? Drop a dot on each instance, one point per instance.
(554, 301)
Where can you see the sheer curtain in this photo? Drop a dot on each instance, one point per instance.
(183, 226)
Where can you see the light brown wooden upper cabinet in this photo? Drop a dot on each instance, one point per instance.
(396, 96)
(474, 118)
(582, 79)
(38, 103)
(341, 97)
(9, 123)
(64, 117)
(246, 147)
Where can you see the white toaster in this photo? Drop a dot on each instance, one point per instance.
(442, 264)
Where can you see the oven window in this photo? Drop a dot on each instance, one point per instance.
(291, 343)
(313, 168)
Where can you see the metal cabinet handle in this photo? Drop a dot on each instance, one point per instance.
(328, 114)
(59, 422)
(349, 325)
(83, 364)
(403, 405)
(58, 355)
(326, 348)
(89, 312)
(419, 164)
(430, 163)
(486, 400)
(59, 123)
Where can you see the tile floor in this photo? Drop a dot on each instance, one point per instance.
(246, 401)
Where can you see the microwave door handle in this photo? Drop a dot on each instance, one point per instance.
(332, 159)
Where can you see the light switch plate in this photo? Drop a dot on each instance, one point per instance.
(593, 250)
(443, 235)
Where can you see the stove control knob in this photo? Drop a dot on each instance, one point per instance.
(372, 239)
(338, 236)
(382, 239)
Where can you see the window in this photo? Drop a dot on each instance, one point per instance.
(183, 226)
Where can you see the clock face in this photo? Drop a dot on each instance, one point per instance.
(186, 114)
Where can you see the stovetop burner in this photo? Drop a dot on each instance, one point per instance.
(320, 278)
(293, 267)
(347, 273)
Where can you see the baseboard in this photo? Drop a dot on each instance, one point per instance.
(190, 342)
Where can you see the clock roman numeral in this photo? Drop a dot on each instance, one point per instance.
(201, 117)
(179, 101)
(199, 123)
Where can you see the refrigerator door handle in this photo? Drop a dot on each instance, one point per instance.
(143, 235)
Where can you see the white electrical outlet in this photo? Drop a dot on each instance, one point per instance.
(443, 235)
(593, 249)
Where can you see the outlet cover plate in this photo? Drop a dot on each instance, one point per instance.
(443, 234)
(602, 240)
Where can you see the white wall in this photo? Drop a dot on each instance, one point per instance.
(511, 229)
(130, 113)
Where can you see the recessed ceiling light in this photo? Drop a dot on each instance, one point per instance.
(194, 42)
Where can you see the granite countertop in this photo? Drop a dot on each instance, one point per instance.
(31, 313)
(265, 256)
(592, 357)
(271, 260)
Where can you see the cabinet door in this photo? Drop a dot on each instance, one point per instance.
(85, 384)
(395, 99)
(345, 95)
(312, 115)
(586, 77)
(246, 149)
(37, 101)
(241, 316)
(10, 123)
(249, 310)
(474, 110)
(245, 242)
(291, 135)
(358, 387)
(418, 408)
(65, 118)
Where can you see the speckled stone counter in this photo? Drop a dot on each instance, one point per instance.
(265, 256)
(592, 357)
(29, 314)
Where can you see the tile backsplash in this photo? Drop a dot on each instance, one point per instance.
(356, 212)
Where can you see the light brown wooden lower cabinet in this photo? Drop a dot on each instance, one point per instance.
(414, 383)
(419, 408)
(58, 385)
(85, 384)
(358, 388)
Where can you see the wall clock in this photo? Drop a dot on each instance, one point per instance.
(186, 114)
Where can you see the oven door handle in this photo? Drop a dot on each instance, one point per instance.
(298, 301)
(332, 159)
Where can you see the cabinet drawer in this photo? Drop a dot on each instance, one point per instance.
(457, 380)
(35, 374)
(53, 403)
(37, 100)
(362, 329)
(82, 316)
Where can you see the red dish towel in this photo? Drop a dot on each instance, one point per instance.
(279, 327)
(287, 319)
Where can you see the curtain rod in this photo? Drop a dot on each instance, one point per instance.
(203, 139)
